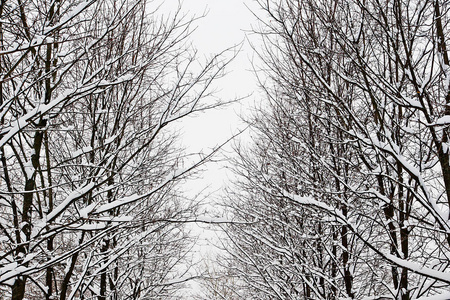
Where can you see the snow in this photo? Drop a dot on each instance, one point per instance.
(123, 218)
(88, 227)
(408, 73)
(176, 173)
(29, 257)
(442, 276)
(72, 196)
(310, 201)
(117, 203)
(408, 129)
(126, 77)
(37, 228)
(85, 211)
(121, 79)
(412, 102)
(393, 150)
(110, 139)
(81, 151)
(445, 120)
(67, 17)
(378, 297)
(37, 40)
(444, 296)
(95, 290)
(10, 271)
(22, 122)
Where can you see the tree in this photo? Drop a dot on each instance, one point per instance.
(89, 200)
(354, 142)
(216, 282)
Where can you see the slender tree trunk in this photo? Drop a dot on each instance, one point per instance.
(103, 275)
(443, 156)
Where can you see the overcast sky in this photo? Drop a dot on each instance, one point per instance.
(225, 24)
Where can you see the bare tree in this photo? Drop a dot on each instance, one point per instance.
(354, 141)
(216, 282)
(89, 204)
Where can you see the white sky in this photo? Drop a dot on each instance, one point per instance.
(224, 25)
